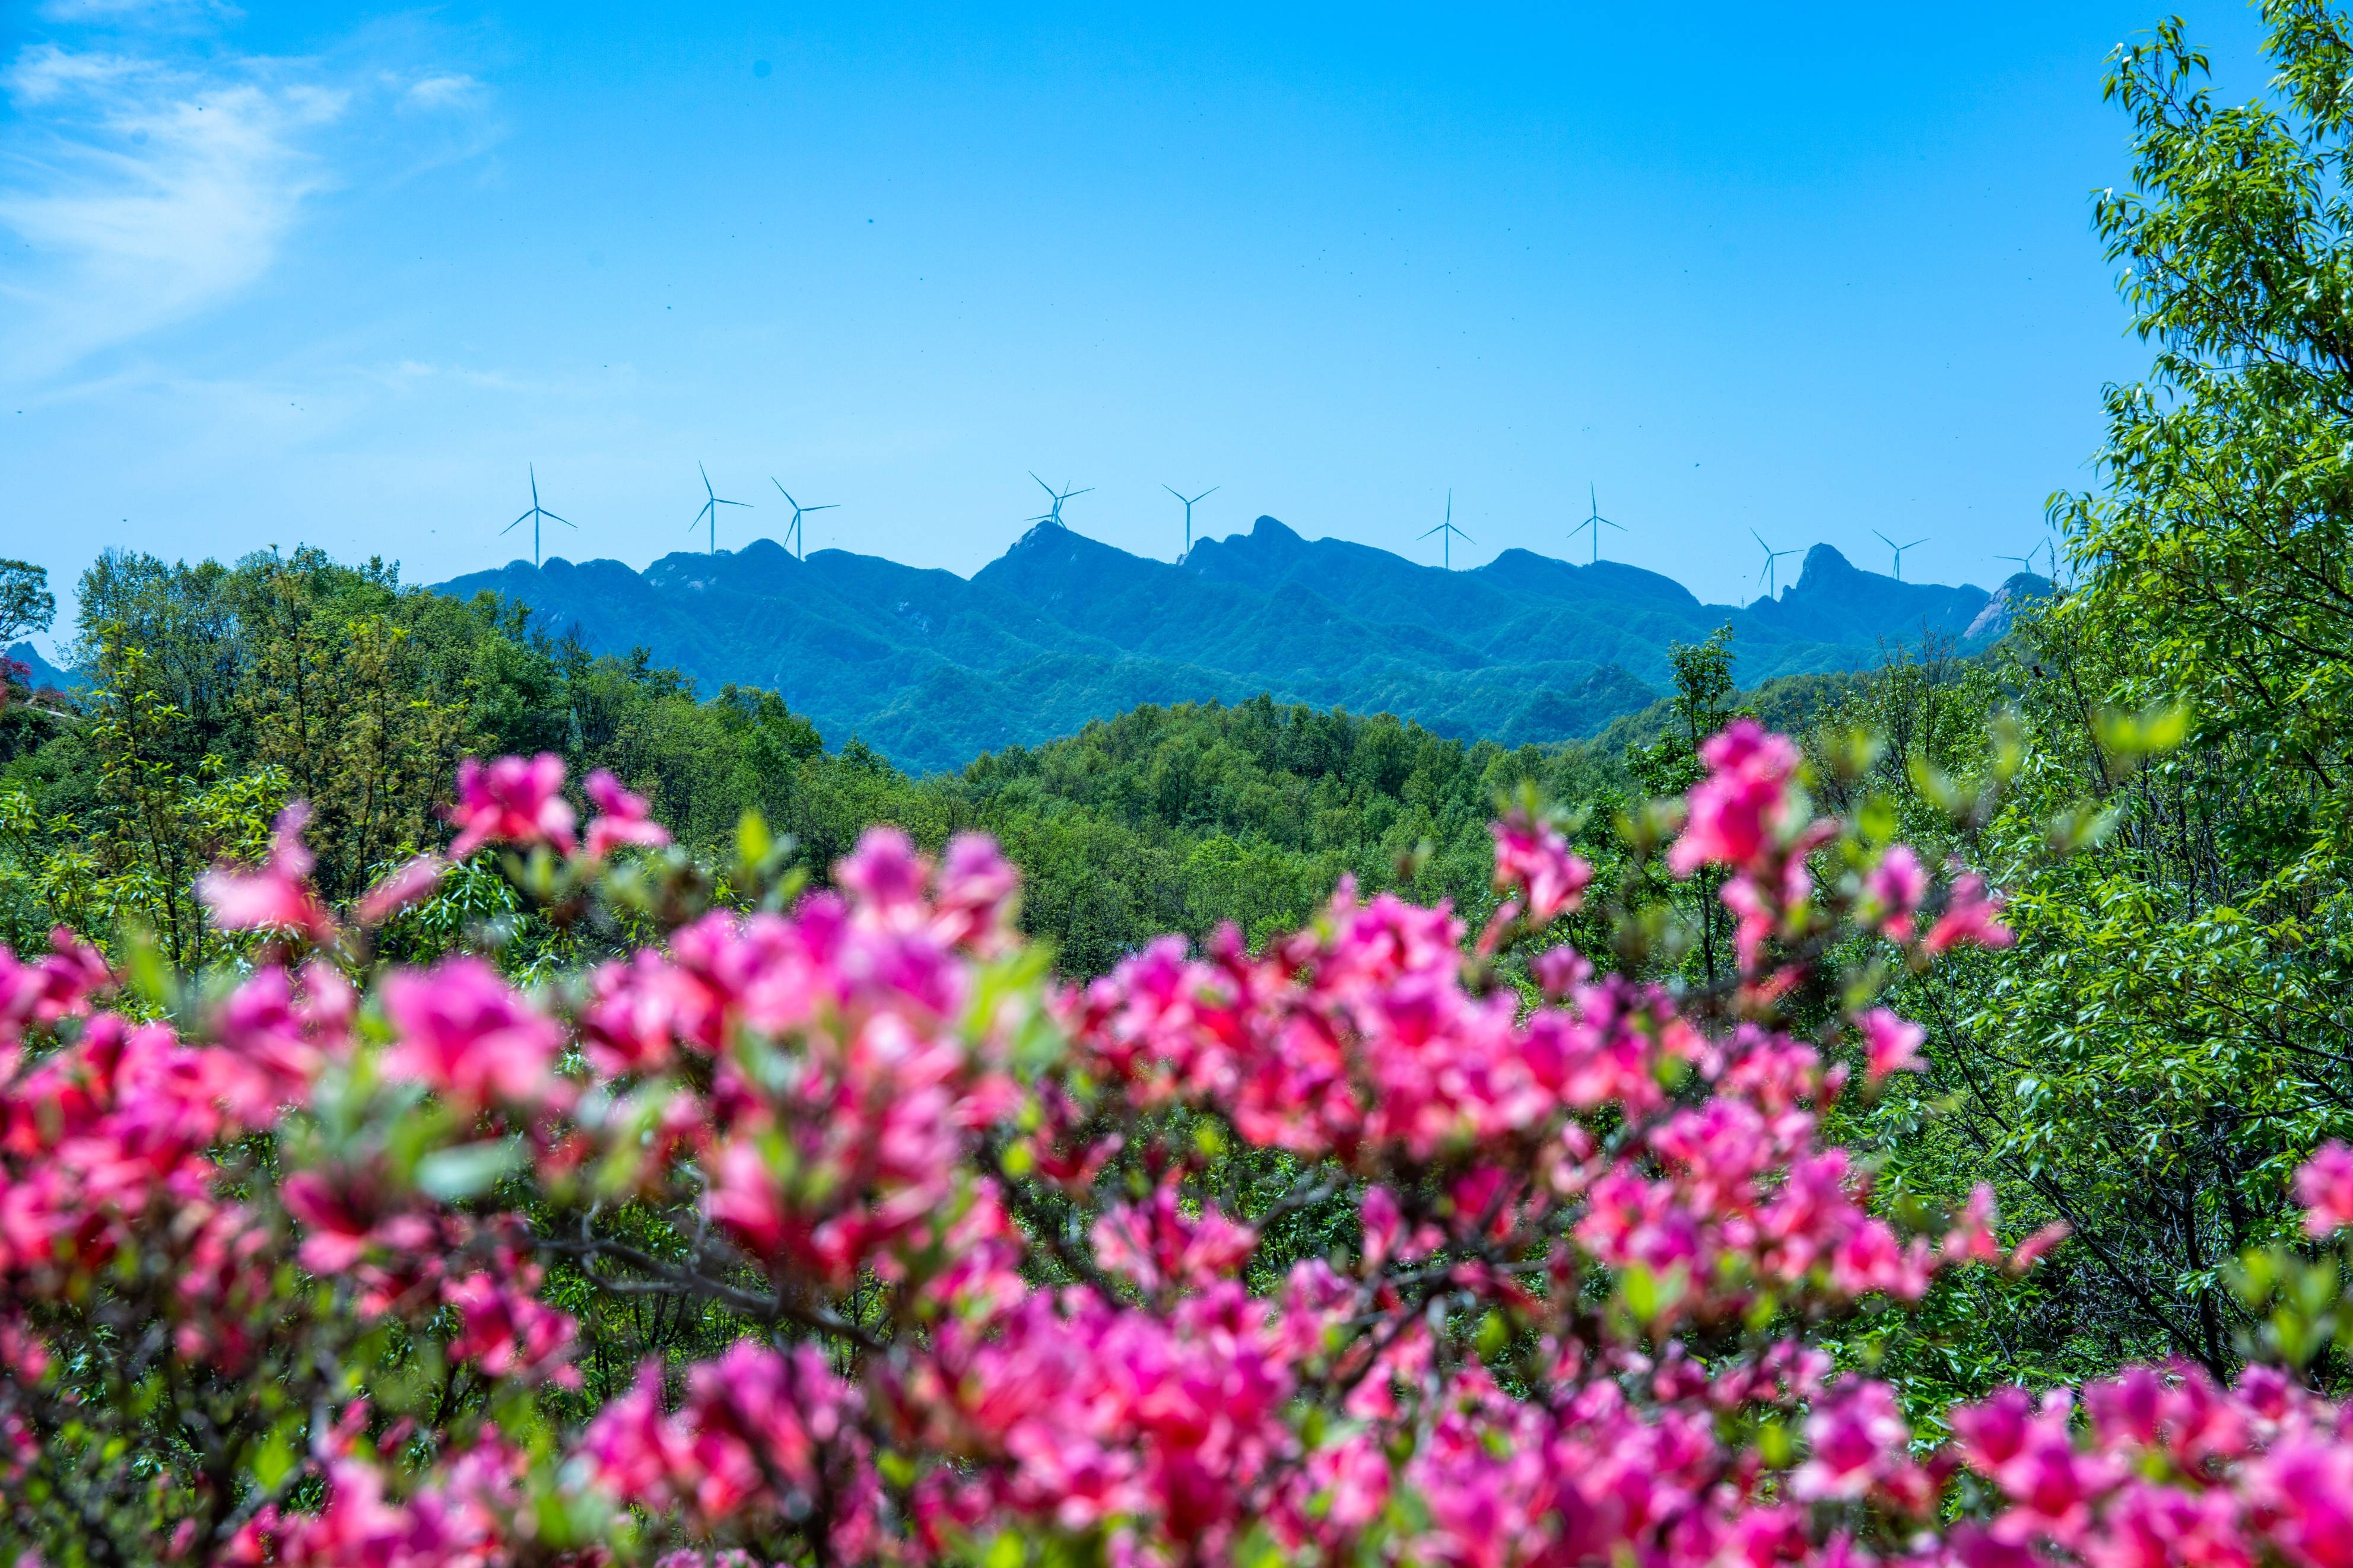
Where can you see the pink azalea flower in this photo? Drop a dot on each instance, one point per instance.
(1858, 1438)
(1972, 1239)
(279, 897)
(1559, 971)
(1741, 809)
(513, 800)
(1532, 862)
(624, 820)
(461, 1030)
(402, 886)
(2323, 1185)
(1890, 1044)
(1971, 919)
(2030, 1251)
(1894, 888)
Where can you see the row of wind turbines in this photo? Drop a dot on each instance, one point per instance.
(712, 502)
(1446, 532)
(1769, 575)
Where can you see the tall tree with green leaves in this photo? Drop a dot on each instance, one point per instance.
(2172, 1033)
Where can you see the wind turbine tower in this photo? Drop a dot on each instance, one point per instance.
(1594, 523)
(1771, 555)
(1447, 534)
(534, 514)
(1899, 549)
(1188, 501)
(712, 502)
(800, 548)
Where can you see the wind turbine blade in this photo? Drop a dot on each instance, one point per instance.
(518, 519)
(1760, 541)
(511, 527)
(1041, 484)
(829, 506)
(1205, 494)
(1440, 529)
(1173, 490)
(706, 478)
(1919, 541)
(723, 501)
(1618, 526)
(1088, 491)
(564, 521)
(780, 487)
(1884, 540)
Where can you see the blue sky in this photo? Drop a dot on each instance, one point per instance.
(334, 275)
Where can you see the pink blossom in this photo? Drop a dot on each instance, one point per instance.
(1158, 1245)
(513, 800)
(463, 1031)
(624, 818)
(1745, 805)
(2309, 1481)
(1972, 1239)
(279, 897)
(1890, 1044)
(977, 892)
(2323, 1185)
(1894, 890)
(1533, 862)
(2029, 1252)
(402, 886)
(1859, 1441)
(1559, 971)
(509, 1332)
(1971, 919)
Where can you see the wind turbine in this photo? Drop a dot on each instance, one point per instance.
(1899, 550)
(1771, 555)
(800, 548)
(1596, 522)
(2025, 562)
(713, 501)
(535, 513)
(1448, 534)
(1054, 514)
(1188, 501)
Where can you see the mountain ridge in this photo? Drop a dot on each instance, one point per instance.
(932, 670)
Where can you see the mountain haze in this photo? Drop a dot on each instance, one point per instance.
(933, 670)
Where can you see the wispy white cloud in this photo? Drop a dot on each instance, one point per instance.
(446, 90)
(119, 11)
(147, 194)
(147, 184)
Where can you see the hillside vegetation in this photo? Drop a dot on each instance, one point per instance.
(220, 691)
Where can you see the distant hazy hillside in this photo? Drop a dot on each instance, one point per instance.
(935, 669)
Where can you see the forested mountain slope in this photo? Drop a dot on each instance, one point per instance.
(933, 670)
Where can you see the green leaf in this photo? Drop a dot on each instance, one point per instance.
(469, 1170)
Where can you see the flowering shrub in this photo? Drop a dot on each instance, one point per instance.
(1347, 1248)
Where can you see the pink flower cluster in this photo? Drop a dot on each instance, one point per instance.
(843, 1090)
(760, 1433)
(1003, 1276)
